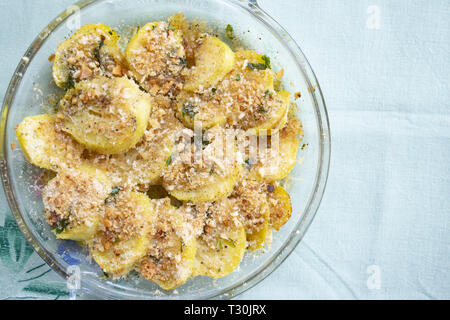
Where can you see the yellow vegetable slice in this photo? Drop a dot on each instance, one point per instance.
(45, 145)
(106, 115)
(171, 249)
(90, 52)
(278, 118)
(203, 109)
(222, 245)
(251, 200)
(255, 68)
(207, 175)
(213, 60)
(73, 202)
(123, 241)
(279, 158)
(155, 56)
(249, 96)
(143, 164)
(191, 32)
(280, 206)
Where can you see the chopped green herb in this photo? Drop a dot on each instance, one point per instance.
(188, 109)
(256, 66)
(97, 49)
(219, 244)
(205, 141)
(231, 242)
(266, 61)
(267, 93)
(248, 163)
(112, 194)
(169, 160)
(183, 61)
(238, 77)
(170, 27)
(105, 275)
(70, 82)
(261, 109)
(260, 66)
(304, 146)
(213, 90)
(229, 31)
(61, 225)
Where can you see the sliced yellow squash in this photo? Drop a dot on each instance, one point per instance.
(203, 109)
(280, 207)
(45, 145)
(213, 60)
(143, 164)
(170, 249)
(106, 115)
(276, 161)
(73, 202)
(155, 56)
(222, 245)
(207, 175)
(127, 221)
(90, 52)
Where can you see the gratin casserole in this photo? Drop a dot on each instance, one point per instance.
(169, 157)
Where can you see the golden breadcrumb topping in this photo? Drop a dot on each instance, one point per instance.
(87, 58)
(72, 197)
(200, 160)
(158, 61)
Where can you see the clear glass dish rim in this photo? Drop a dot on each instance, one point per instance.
(300, 229)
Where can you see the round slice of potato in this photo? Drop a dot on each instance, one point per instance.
(90, 52)
(156, 58)
(123, 240)
(46, 145)
(106, 115)
(222, 245)
(73, 202)
(280, 206)
(170, 248)
(213, 60)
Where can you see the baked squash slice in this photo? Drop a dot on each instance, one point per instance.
(155, 56)
(122, 241)
(106, 115)
(205, 171)
(73, 202)
(280, 206)
(213, 60)
(90, 52)
(279, 158)
(170, 248)
(222, 245)
(46, 145)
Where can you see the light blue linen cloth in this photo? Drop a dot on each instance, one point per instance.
(382, 230)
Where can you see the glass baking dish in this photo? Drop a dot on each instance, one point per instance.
(31, 88)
